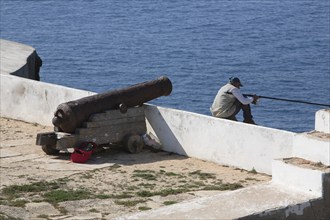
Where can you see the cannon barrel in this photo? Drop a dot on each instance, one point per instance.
(70, 115)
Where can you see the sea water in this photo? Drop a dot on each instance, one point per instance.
(278, 48)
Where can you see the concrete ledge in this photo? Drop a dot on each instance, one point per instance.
(311, 147)
(322, 120)
(19, 60)
(311, 209)
(317, 208)
(298, 179)
(231, 205)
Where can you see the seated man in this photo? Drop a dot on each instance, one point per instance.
(229, 101)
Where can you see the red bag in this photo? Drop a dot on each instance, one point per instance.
(82, 153)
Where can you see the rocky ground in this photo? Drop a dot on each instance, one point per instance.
(113, 182)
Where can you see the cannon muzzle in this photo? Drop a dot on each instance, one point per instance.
(70, 115)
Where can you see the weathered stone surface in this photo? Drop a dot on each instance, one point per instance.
(8, 212)
(93, 216)
(41, 208)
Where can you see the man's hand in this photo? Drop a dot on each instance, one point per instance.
(255, 99)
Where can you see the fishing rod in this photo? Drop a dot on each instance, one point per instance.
(289, 100)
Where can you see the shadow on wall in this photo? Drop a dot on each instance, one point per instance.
(157, 125)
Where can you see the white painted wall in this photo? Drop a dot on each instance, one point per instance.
(297, 178)
(322, 120)
(218, 140)
(311, 148)
(33, 101)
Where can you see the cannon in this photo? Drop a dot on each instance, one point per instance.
(110, 117)
(70, 115)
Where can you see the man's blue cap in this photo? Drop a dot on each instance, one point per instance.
(235, 80)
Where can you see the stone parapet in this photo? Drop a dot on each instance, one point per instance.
(33, 101)
(313, 146)
(322, 121)
(19, 60)
(298, 178)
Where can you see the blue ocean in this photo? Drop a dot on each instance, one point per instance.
(278, 48)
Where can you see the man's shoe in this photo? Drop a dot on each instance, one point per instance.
(249, 121)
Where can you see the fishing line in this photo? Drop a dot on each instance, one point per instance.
(290, 100)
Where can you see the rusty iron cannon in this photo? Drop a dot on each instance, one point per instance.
(112, 117)
(70, 115)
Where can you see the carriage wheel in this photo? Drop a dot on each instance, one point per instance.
(133, 143)
(50, 149)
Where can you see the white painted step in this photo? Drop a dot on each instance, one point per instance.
(231, 205)
(313, 146)
(322, 120)
(299, 175)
